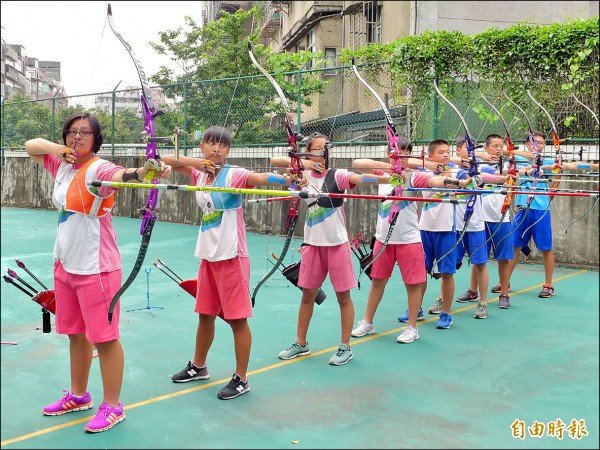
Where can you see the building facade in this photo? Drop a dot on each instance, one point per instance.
(27, 76)
(327, 26)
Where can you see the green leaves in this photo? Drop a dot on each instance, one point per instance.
(563, 53)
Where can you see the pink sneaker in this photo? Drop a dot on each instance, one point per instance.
(106, 418)
(69, 404)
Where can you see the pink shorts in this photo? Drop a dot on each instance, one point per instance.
(82, 303)
(224, 288)
(317, 261)
(409, 257)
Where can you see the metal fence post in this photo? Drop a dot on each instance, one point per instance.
(185, 102)
(435, 112)
(299, 119)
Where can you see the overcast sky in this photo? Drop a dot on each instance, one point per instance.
(78, 35)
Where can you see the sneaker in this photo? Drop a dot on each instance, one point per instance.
(482, 311)
(497, 289)
(504, 301)
(445, 321)
(362, 329)
(69, 403)
(342, 356)
(234, 388)
(547, 291)
(404, 317)
(437, 307)
(295, 350)
(469, 296)
(106, 418)
(408, 335)
(190, 373)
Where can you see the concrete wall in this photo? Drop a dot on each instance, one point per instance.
(27, 185)
(474, 17)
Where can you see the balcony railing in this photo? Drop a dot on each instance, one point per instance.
(271, 21)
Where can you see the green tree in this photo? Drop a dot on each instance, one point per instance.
(219, 81)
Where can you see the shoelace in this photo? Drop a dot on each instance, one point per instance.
(104, 410)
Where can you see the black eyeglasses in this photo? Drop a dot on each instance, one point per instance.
(82, 133)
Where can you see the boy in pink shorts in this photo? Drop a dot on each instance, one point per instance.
(327, 250)
(404, 247)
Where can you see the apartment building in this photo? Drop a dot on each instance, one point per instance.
(327, 26)
(27, 76)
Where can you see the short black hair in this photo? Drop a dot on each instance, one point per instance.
(489, 138)
(435, 144)
(460, 141)
(94, 123)
(217, 134)
(314, 136)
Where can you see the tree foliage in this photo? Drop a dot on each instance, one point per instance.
(552, 61)
(219, 51)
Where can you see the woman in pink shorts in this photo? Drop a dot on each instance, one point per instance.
(87, 263)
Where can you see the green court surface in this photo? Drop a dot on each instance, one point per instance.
(472, 386)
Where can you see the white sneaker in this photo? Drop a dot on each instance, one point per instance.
(408, 335)
(363, 328)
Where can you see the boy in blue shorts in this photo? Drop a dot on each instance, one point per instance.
(490, 210)
(533, 220)
(403, 247)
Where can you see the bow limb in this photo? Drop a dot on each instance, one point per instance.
(530, 137)
(473, 171)
(586, 107)
(397, 168)
(512, 170)
(150, 112)
(296, 170)
(596, 202)
(557, 160)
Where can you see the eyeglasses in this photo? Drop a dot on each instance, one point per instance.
(82, 133)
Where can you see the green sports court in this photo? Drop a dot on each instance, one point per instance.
(508, 381)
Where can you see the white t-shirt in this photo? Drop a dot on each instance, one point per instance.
(222, 233)
(84, 245)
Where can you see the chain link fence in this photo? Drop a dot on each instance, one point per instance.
(345, 111)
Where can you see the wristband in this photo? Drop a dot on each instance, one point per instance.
(275, 179)
(368, 179)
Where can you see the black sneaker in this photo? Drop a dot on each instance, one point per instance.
(234, 388)
(190, 373)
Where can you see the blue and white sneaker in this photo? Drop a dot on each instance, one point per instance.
(404, 317)
(445, 321)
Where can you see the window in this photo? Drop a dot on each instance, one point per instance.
(311, 41)
(365, 24)
(311, 45)
(372, 13)
(330, 60)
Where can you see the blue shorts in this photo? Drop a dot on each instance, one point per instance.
(541, 231)
(506, 250)
(435, 245)
(472, 241)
